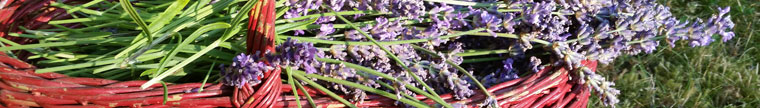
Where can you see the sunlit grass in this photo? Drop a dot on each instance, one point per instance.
(719, 75)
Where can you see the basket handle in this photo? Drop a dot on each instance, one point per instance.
(260, 40)
(261, 35)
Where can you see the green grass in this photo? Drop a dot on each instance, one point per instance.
(719, 75)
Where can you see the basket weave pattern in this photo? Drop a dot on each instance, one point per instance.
(30, 14)
(20, 86)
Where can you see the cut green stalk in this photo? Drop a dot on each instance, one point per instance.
(279, 29)
(474, 79)
(9, 53)
(368, 12)
(316, 40)
(487, 59)
(166, 93)
(323, 89)
(164, 18)
(27, 36)
(165, 36)
(79, 20)
(279, 3)
(203, 84)
(513, 36)
(83, 6)
(11, 43)
(127, 6)
(97, 27)
(143, 66)
(281, 12)
(393, 56)
(386, 85)
(466, 3)
(106, 54)
(306, 93)
(83, 10)
(67, 29)
(227, 34)
(95, 63)
(180, 24)
(67, 43)
(293, 86)
(163, 60)
(187, 18)
(300, 75)
(385, 76)
(187, 41)
(483, 52)
(161, 6)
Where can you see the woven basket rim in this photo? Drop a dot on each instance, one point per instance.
(21, 86)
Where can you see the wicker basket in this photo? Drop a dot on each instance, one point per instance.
(30, 14)
(22, 87)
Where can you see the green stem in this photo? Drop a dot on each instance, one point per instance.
(474, 79)
(483, 52)
(325, 14)
(315, 40)
(67, 43)
(466, 3)
(487, 59)
(136, 17)
(640, 41)
(228, 33)
(300, 75)
(393, 56)
(513, 36)
(384, 76)
(308, 97)
(208, 73)
(166, 93)
(386, 85)
(293, 86)
(323, 89)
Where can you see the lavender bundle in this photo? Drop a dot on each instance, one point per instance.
(453, 46)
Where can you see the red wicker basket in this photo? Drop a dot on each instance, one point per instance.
(22, 87)
(30, 14)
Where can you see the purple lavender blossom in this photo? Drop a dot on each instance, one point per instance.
(408, 8)
(533, 14)
(325, 29)
(535, 64)
(446, 12)
(577, 30)
(506, 73)
(244, 69)
(453, 82)
(297, 55)
(386, 30)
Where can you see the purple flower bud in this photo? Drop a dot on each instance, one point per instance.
(325, 29)
(244, 69)
(535, 64)
(296, 55)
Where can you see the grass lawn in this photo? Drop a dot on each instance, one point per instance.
(719, 75)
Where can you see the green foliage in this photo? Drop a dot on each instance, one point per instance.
(127, 41)
(719, 75)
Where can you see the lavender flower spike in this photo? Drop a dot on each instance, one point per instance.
(297, 55)
(244, 69)
(601, 86)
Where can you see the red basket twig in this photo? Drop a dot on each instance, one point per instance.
(32, 15)
(22, 87)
